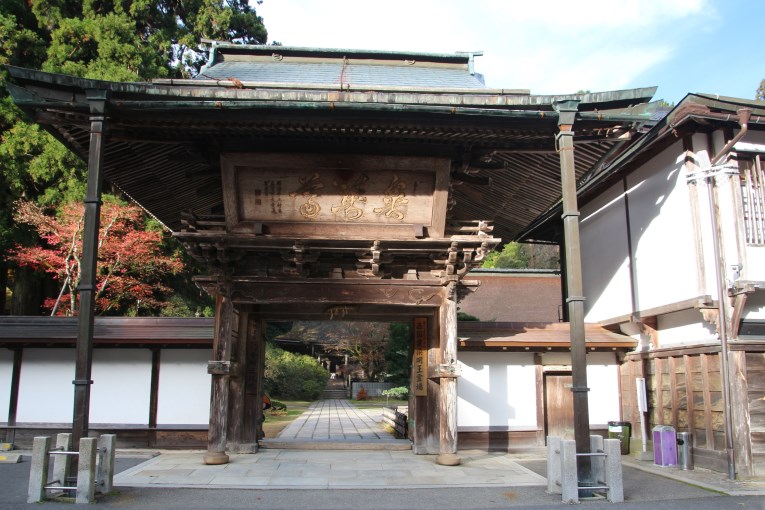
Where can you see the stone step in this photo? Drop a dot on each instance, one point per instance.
(319, 444)
(333, 394)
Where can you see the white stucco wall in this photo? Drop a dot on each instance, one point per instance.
(46, 393)
(121, 386)
(755, 306)
(602, 379)
(755, 263)
(6, 370)
(605, 263)
(662, 232)
(497, 390)
(684, 327)
(184, 387)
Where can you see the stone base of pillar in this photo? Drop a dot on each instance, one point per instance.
(214, 458)
(448, 459)
(243, 448)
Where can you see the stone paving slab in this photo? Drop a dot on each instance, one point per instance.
(332, 470)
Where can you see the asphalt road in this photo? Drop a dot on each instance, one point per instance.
(643, 491)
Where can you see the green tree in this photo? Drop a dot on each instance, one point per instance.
(524, 256)
(292, 376)
(760, 94)
(117, 40)
(397, 354)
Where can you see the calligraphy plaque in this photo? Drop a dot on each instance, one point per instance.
(420, 357)
(289, 194)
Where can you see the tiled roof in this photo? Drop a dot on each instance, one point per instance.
(336, 68)
(335, 74)
(520, 335)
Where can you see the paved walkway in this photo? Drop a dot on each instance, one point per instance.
(330, 425)
(337, 424)
(349, 448)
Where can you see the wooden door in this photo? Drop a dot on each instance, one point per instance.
(559, 406)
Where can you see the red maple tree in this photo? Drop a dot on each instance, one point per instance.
(131, 261)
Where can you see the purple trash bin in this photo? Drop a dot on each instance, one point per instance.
(664, 446)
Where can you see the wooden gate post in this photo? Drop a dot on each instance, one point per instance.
(448, 373)
(219, 368)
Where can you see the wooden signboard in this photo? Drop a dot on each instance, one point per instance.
(420, 357)
(335, 195)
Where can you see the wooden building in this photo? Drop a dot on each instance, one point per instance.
(334, 183)
(673, 251)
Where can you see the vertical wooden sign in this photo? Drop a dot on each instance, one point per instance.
(420, 357)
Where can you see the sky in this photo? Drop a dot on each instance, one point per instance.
(551, 46)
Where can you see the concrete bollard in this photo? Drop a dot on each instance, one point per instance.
(86, 471)
(569, 477)
(38, 470)
(61, 462)
(105, 475)
(597, 464)
(613, 468)
(553, 465)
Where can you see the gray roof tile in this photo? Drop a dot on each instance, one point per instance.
(354, 74)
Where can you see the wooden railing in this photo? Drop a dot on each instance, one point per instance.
(397, 420)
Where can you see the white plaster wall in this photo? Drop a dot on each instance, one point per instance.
(684, 327)
(604, 249)
(755, 306)
(603, 381)
(755, 263)
(46, 393)
(496, 389)
(121, 386)
(662, 231)
(6, 371)
(184, 387)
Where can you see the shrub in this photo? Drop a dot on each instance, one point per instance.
(278, 406)
(361, 394)
(293, 376)
(399, 393)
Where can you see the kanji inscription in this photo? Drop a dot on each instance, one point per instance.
(389, 197)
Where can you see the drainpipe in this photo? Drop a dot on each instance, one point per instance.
(722, 320)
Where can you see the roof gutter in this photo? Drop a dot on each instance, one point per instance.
(744, 114)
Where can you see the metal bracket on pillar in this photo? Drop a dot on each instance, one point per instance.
(567, 110)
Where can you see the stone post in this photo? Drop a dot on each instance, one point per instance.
(38, 471)
(61, 462)
(105, 473)
(86, 471)
(553, 465)
(613, 469)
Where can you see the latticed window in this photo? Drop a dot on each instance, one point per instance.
(753, 193)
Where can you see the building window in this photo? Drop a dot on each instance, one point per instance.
(753, 194)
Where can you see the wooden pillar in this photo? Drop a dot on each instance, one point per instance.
(241, 427)
(13, 402)
(219, 368)
(87, 287)
(447, 424)
(154, 395)
(742, 430)
(575, 298)
(256, 367)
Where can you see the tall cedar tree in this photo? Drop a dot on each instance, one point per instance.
(128, 40)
